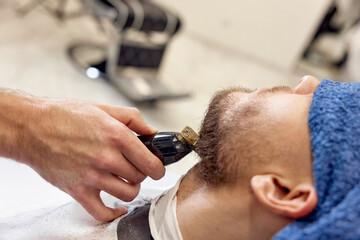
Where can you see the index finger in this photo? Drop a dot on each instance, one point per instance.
(131, 117)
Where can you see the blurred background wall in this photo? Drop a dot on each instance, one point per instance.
(276, 32)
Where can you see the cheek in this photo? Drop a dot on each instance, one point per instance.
(290, 108)
(290, 115)
(298, 148)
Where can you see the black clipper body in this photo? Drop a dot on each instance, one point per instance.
(170, 147)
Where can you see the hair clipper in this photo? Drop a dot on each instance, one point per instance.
(170, 147)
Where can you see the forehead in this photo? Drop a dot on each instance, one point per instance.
(241, 95)
(243, 102)
(280, 101)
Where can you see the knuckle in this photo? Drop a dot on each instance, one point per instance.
(79, 194)
(103, 161)
(106, 124)
(113, 131)
(110, 128)
(118, 135)
(92, 178)
(153, 167)
(128, 198)
(135, 112)
(139, 177)
(122, 143)
(131, 194)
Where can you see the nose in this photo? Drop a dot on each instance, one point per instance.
(307, 85)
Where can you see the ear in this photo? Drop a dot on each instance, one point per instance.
(294, 202)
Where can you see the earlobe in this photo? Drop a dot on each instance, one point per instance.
(294, 202)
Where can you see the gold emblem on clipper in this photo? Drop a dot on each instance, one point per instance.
(189, 135)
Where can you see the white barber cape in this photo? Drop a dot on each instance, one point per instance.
(70, 221)
(162, 216)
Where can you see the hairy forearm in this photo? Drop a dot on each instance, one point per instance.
(17, 112)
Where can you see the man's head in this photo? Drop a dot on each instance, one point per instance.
(258, 143)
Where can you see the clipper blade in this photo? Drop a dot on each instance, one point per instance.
(189, 135)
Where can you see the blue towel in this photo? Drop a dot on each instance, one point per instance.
(334, 121)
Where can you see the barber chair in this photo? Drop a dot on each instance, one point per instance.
(138, 33)
(56, 8)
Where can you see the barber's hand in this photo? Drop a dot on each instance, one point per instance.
(84, 148)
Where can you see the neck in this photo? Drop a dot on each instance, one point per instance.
(220, 213)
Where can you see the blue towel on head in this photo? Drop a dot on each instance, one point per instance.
(334, 121)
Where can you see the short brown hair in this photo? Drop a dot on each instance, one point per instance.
(228, 132)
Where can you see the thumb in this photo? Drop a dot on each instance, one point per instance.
(131, 117)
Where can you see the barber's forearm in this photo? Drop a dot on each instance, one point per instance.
(17, 114)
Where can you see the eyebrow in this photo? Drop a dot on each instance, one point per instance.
(278, 89)
(244, 90)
